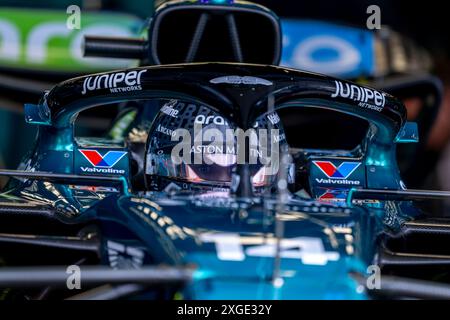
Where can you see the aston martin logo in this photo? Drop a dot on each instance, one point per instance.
(242, 80)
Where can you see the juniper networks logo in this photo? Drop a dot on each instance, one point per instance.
(337, 174)
(366, 98)
(102, 163)
(116, 82)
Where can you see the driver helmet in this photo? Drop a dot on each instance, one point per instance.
(192, 146)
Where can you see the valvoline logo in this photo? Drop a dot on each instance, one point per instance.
(338, 174)
(102, 163)
(106, 161)
(343, 171)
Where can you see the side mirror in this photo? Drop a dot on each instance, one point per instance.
(408, 134)
(37, 114)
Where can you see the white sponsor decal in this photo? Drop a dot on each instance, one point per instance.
(333, 181)
(106, 170)
(165, 131)
(116, 82)
(213, 149)
(274, 118)
(169, 110)
(280, 137)
(217, 120)
(367, 98)
(309, 250)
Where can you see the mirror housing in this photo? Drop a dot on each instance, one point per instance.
(408, 134)
(37, 114)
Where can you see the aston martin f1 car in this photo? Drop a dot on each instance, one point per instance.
(140, 222)
(228, 31)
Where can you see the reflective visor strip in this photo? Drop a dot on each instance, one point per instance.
(164, 166)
